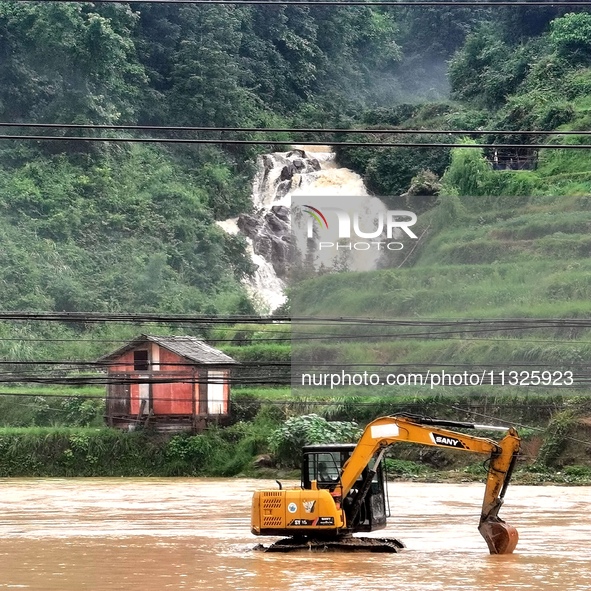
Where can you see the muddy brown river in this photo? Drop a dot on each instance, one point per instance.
(184, 534)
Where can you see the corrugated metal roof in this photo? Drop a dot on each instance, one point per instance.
(188, 347)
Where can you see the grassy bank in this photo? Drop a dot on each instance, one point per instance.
(555, 432)
(61, 452)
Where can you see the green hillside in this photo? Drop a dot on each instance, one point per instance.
(93, 226)
(505, 257)
(496, 243)
(113, 227)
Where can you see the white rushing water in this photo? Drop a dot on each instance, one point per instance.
(305, 171)
(265, 287)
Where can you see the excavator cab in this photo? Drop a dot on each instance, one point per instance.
(366, 504)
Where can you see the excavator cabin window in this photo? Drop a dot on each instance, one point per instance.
(323, 463)
(324, 468)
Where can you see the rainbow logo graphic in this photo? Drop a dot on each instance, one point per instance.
(317, 215)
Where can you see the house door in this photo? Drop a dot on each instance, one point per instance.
(144, 397)
(215, 392)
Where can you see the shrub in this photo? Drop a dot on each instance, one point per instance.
(556, 438)
(286, 442)
(571, 35)
(486, 69)
(244, 407)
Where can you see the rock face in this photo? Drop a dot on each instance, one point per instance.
(276, 172)
(270, 237)
(269, 228)
(423, 191)
(263, 461)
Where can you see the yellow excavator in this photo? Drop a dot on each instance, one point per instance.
(343, 489)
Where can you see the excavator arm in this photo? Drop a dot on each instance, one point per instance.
(500, 537)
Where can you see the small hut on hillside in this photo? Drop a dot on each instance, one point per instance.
(172, 383)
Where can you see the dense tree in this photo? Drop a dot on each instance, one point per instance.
(68, 63)
(206, 80)
(571, 36)
(487, 69)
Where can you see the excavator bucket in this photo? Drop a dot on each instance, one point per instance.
(500, 537)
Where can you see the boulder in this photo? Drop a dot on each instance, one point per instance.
(263, 461)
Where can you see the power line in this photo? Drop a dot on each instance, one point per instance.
(444, 335)
(153, 140)
(481, 324)
(404, 3)
(439, 329)
(570, 379)
(335, 130)
(127, 317)
(422, 381)
(122, 381)
(520, 425)
(304, 400)
(313, 365)
(457, 335)
(287, 340)
(509, 323)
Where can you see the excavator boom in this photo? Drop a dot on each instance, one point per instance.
(500, 537)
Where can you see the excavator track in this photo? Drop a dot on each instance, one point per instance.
(342, 544)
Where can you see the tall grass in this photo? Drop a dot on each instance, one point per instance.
(47, 451)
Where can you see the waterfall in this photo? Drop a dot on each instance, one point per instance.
(265, 287)
(303, 171)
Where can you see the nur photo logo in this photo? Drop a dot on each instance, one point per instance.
(359, 230)
(316, 215)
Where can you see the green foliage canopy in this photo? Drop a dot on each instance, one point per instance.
(287, 441)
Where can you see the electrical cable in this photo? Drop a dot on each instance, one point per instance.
(152, 140)
(127, 317)
(570, 438)
(391, 131)
(419, 379)
(313, 365)
(286, 340)
(255, 341)
(324, 3)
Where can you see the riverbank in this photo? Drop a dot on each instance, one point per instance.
(264, 445)
(63, 436)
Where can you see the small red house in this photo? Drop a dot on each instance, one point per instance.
(186, 383)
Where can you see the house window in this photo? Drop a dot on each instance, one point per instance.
(140, 361)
